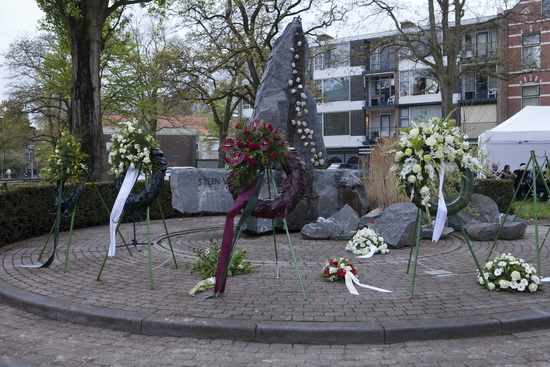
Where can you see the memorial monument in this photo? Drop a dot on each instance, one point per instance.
(284, 101)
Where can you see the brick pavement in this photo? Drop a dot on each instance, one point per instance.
(259, 307)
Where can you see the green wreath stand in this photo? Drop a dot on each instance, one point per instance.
(144, 200)
(532, 189)
(460, 202)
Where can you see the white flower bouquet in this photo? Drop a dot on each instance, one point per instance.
(132, 146)
(423, 148)
(508, 273)
(367, 241)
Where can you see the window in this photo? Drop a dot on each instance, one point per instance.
(404, 86)
(417, 82)
(530, 51)
(319, 61)
(381, 91)
(478, 86)
(336, 123)
(383, 58)
(336, 56)
(530, 95)
(482, 43)
(545, 9)
(404, 117)
(333, 90)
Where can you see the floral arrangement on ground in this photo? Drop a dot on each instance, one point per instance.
(508, 273)
(132, 147)
(67, 161)
(256, 144)
(423, 148)
(207, 263)
(336, 269)
(365, 241)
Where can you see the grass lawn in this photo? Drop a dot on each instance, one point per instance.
(526, 209)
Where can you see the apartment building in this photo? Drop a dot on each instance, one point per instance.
(368, 89)
(528, 44)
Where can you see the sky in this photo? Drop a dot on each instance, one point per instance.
(17, 19)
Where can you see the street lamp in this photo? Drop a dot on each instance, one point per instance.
(31, 147)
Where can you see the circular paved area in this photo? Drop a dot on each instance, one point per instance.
(274, 307)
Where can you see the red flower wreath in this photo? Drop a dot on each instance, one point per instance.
(257, 145)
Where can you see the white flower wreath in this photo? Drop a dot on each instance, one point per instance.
(423, 149)
(132, 147)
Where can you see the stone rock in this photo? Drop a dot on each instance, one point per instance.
(200, 191)
(284, 100)
(396, 225)
(483, 231)
(512, 229)
(480, 209)
(339, 226)
(371, 216)
(466, 218)
(327, 192)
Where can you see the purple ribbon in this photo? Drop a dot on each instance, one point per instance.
(227, 240)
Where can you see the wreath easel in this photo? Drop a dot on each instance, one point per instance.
(128, 159)
(251, 157)
(427, 148)
(65, 165)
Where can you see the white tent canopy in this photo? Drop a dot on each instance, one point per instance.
(512, 141)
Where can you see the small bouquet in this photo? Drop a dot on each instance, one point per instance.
(335, 269)
(202, 286)
(207, 262)
(508, 273)
(132, 147)
(367, 241)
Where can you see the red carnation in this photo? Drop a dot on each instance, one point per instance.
(253, 146)
(249, 139)
(341, 272)
(273, 155)
(240, 144)
(237, 126)
(275, 131)
(245, 131)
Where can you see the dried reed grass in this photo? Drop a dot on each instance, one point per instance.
(380, 182)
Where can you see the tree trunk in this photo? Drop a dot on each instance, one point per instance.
(85, 109)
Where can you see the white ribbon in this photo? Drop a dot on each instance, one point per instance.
(350, 279)
(372, 250)
(127, 185)
(441, 215)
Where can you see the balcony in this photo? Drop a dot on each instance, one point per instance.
(379, 100)
(474, 129)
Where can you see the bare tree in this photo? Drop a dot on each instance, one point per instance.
(228, 45)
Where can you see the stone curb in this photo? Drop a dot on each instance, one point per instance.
(275, 331)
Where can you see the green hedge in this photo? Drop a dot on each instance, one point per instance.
(29, 211)
(501, 191)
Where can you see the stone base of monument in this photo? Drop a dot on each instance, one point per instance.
(204, 191)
